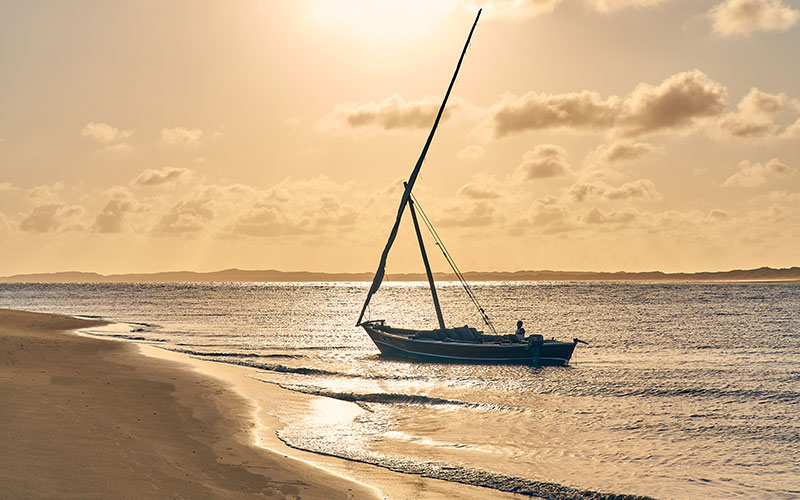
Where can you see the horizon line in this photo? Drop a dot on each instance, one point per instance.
(236, 274)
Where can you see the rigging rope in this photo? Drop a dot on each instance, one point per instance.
(453, 266)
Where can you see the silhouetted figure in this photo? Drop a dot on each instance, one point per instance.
(520, 331)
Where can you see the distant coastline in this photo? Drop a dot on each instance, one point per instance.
(763, 274)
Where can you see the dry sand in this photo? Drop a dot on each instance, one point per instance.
(89, 418)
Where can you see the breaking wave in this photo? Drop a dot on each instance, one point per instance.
(223, 354)
(465, 475)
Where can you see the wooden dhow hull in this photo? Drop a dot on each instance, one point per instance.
(399, 342)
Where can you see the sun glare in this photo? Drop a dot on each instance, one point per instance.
(381, 18)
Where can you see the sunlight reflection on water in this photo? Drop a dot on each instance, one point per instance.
(684, 391)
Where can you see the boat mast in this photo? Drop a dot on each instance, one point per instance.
(378, 279)
(427, 265)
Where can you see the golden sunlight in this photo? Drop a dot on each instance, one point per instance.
(381, 18)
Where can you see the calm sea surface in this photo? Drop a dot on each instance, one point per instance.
(685, 391)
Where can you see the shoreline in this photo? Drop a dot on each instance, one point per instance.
(206, 431)
(90, 418)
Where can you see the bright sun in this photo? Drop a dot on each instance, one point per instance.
(382, 18)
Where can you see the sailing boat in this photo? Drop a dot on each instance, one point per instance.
(462, 344)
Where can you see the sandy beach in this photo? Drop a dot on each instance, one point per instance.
(94, 418)
(90, 418)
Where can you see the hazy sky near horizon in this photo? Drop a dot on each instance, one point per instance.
(581, 134)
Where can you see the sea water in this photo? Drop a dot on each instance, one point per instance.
(684, 391)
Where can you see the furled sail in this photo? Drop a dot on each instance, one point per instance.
(378, 279)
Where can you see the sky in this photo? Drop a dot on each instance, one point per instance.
(584, 135)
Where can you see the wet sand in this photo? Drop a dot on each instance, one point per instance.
(90, 418)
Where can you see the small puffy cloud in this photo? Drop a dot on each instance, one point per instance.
(583, 111)
(472, 215)
(111, 218)
(475, 191)
(181, 136)
(612, 5)
(743, 17)
(792, 131)
(597, 216)
(104, 133)
(626, 152)
(53, 217)
(163, 176)
(676, 103)
(265, 220)
(45, 192)
(548, 212)
(472, 152)
(512, 10)
(717, 215)
(484, 187)
(546, 160)
(753, 116)
(7, 187)
(391, 114)
(757, 174)
(186, 216)
(639, 189)
(313, 206)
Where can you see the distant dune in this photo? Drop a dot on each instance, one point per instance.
(763, 274)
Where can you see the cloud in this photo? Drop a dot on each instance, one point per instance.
(204, 208)
(266, 219)
(753, 116)
(111, 218)
(757, 174)
(314, 206)
(472, 152)
(638, 189)
(181, 136)
(477, 214)
(597, 216)
(7, 187)
(612, 5)
(39, 194)
(626, 152)
(792, 131)
(546, 160)
(717, 215)
(391, 114)
(163, 176)
(104, 133)
(547, 211)
(676, 103)
(743, 17)
(184, 217)
(475, 191)
(512, 9)
(53, 217)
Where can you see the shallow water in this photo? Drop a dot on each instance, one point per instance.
(684, 391)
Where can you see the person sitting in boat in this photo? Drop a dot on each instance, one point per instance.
(520, 334)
